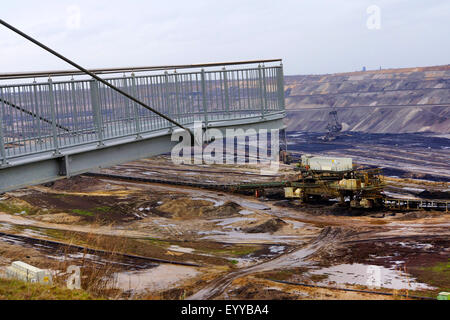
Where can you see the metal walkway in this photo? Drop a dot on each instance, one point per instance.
(52, 129)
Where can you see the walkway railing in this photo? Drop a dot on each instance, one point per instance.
(54, 115)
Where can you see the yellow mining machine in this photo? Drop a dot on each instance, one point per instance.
(336, 178)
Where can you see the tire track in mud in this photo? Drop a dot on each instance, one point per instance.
(295, 258)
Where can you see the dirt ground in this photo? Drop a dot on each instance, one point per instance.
(235, 244)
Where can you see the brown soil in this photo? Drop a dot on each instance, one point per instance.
(78, 184)
(186, 208)
(271, 226)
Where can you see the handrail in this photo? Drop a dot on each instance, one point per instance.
(63, 73)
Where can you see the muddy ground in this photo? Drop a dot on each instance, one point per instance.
(236, 246)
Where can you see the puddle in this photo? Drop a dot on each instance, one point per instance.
(226, 222)
(413, 189)
(239, 237)
(181, 249)
(15, 220)
(398, 195)
(32, 233)
(6, 226)
(367, 275)
(159, 278)
(217, 203)
(149, 173)
(246, 212)
(277, 249)
(296, 224)
(252, 205)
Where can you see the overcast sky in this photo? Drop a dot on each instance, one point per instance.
(311, 36)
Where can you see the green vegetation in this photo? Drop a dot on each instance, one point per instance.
(19, 290)
(235, 251)
(13, 208)
(442, 267)
(437, 275)
(103, 209)
(83, 212)
(158, 242)
(91, 213)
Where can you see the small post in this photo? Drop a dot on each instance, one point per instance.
(96, 111)
(2, 142)
(177, 95)
(135, 107)
(205, 105)
(37, 112)
(264, 89)
(261, 93)
(280, 74)
(226, 89)
(75, 107)
(127, 102)
(166, 97)
(53, 111)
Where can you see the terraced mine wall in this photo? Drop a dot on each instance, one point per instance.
(383, 101)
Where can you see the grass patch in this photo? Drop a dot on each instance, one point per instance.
(103, 209)
(234, 251)
(13, 208)
(83, 212)
(157, 242)
(19, 290)
(437, 275)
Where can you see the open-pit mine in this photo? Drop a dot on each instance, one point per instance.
(363, 216)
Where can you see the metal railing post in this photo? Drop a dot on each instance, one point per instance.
(127, 101)
(2, 141)
(226, 89)
(280, 74)
(51, 99)
(261, 92)
(177, 95)
(264, 89)
(137, 120)
(76, 114)
(166, 97)
(204, 102)
(96, 111)
(36, 104)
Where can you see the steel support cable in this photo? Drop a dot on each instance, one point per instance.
(106, 83)
(28, 112)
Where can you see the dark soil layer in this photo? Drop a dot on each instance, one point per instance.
(103, 209)
(77, 184)
(252, 291)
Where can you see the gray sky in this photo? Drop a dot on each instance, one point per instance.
(311, 36)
